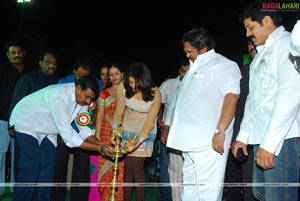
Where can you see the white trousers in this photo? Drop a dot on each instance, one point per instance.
(203, 175)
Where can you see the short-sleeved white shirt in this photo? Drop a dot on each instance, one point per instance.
(167, 89)
(199, 101)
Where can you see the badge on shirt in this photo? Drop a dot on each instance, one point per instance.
(92, 106)
(83, 119)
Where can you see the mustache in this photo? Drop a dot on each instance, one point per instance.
(17, 58)
(251, 37)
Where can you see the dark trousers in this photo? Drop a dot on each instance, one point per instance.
(80, 172)
(134, 172)
(164, 159)
(36, 166)
(239, 173)
(233, 174)
(247, 169)
(16, 158)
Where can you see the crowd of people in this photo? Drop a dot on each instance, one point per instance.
(208, 117)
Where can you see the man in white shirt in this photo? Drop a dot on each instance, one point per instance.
(170, 160)
(203, 110)
(271, 116)
(37, 119)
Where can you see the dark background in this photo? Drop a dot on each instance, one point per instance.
(124, 31)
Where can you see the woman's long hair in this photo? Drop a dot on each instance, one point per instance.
(143, 81)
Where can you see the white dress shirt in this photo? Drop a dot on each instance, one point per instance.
(167, 89)
(50, 111)
(272, 107)
(198, 102)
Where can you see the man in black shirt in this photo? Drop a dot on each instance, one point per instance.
(10, 72)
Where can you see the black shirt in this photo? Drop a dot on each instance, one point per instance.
(30, 83)
(9, 76)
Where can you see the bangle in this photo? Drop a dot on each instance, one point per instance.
(141, 138)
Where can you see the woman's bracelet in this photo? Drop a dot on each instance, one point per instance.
(141, 139)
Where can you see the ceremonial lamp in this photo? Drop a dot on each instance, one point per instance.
(117, 153)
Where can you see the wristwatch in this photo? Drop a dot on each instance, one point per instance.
(218, 131)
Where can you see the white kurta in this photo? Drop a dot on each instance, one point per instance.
(198, 102)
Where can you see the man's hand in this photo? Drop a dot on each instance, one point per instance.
(11, 132)
(164, 134)
(218, 142)
(160, 124)
(105, 150)
(264, 159)
(93, 139)
(236, 145)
